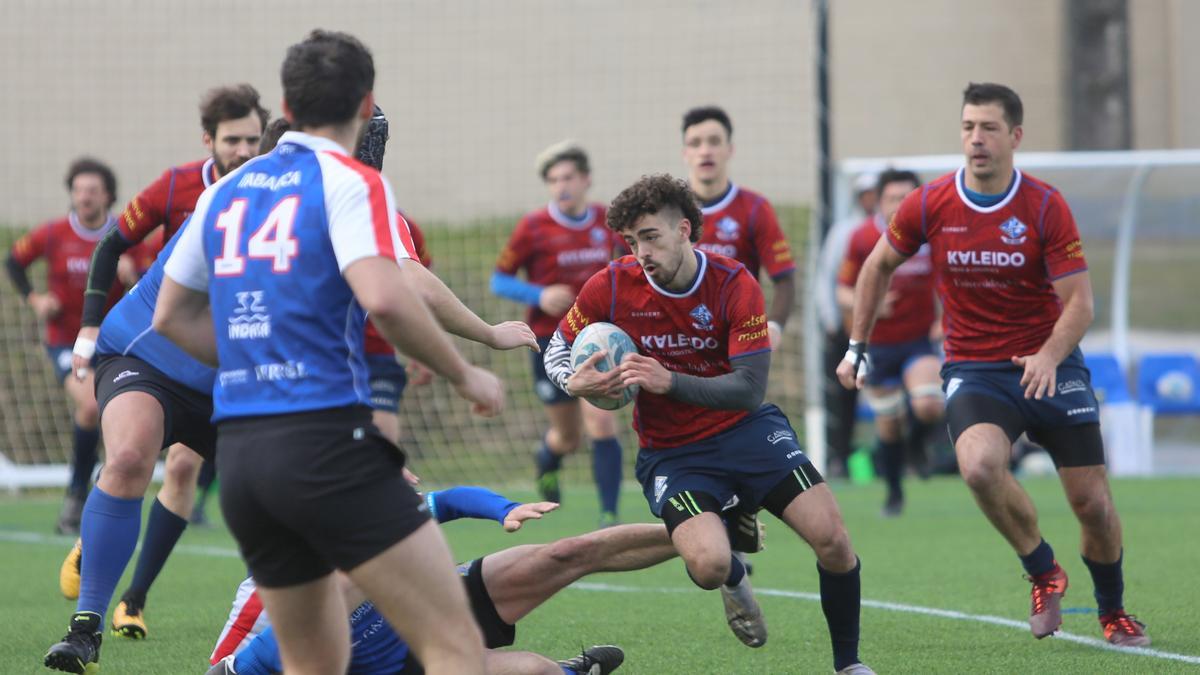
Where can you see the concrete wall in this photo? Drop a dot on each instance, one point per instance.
(475, 88)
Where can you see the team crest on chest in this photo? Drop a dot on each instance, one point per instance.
(1014, 231)
(702, 319)
(727, 229)
(598, 236)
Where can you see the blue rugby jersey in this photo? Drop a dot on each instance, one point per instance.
(126, 331)
(270, 244)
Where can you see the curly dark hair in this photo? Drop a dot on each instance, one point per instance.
(230, 103)
(94, 166)
(654, 194)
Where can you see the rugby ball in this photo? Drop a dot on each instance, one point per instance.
(605, 336)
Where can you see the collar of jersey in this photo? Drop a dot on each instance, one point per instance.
(207, 171)
(563, 219)
(314, 143)
(696, 284)
(960, 187)
(90, 235)
(725, 201)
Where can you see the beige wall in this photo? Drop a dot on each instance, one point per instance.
(475, 88)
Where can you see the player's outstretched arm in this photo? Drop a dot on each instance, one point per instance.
(458, 319)
(411, 327)
(869, 293)
(184, 317)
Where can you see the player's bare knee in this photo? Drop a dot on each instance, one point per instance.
(708, 571)
(981, 475)
(571, 551)
(928, 409)
(888, 428)
(87, 415)
(1094, 510)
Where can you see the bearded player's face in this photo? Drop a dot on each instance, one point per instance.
(89, 197)
(660, 242)
(235, 142)
(988, 140)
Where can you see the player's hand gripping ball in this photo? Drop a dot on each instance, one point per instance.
(605, 336)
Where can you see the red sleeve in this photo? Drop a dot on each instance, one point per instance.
(856, 255)
(31, 246)
(1062, 247)
(772, 246)
(143, 254)
(591, 305)
(146, 211)
(747, 316)
(515, 254)
(418, 238)
(905, 232)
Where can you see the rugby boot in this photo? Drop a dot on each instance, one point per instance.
(598, 660)
(743, 614)
(129, 618)
(1124, 630)
(79, 650)
(1045, 613)
(68, 574)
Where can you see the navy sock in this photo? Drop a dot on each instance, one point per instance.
(606, 469)
(841, 600)
(891, 454)
(163, 530)
(1109, 582)
(1039, 561)
(83, 458)
(547, 461)
(736, 572)
(110, 531)
(208, 474)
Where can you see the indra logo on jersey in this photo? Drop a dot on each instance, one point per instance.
(250, 320)
(702, 319)
(1014, 232)
(727, 229)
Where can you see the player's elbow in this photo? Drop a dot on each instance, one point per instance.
(753, 399)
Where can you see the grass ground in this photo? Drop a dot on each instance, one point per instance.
(941, 555)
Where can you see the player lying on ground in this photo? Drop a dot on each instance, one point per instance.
(1017, 299)
(503, 588)
(706, 438)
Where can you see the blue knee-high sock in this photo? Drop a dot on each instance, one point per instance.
(1109, 582)
(606, 469)
(260, 657)
(83, 458)
(546, 460)
(841, 600)
(110, 532)
(163, 530)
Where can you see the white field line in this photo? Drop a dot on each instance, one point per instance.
(914, 609)
(218, 552)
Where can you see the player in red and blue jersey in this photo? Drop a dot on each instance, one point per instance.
(903, 358)
(1016, 300)
(67, 244)
(707, 441)
(287, 257)
(504, 587)
(560, 246)
(738, 223)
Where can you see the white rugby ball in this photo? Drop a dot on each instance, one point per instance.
(605, 336)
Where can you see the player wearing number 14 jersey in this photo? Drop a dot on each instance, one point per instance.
(1017, 299)
(706, 438)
